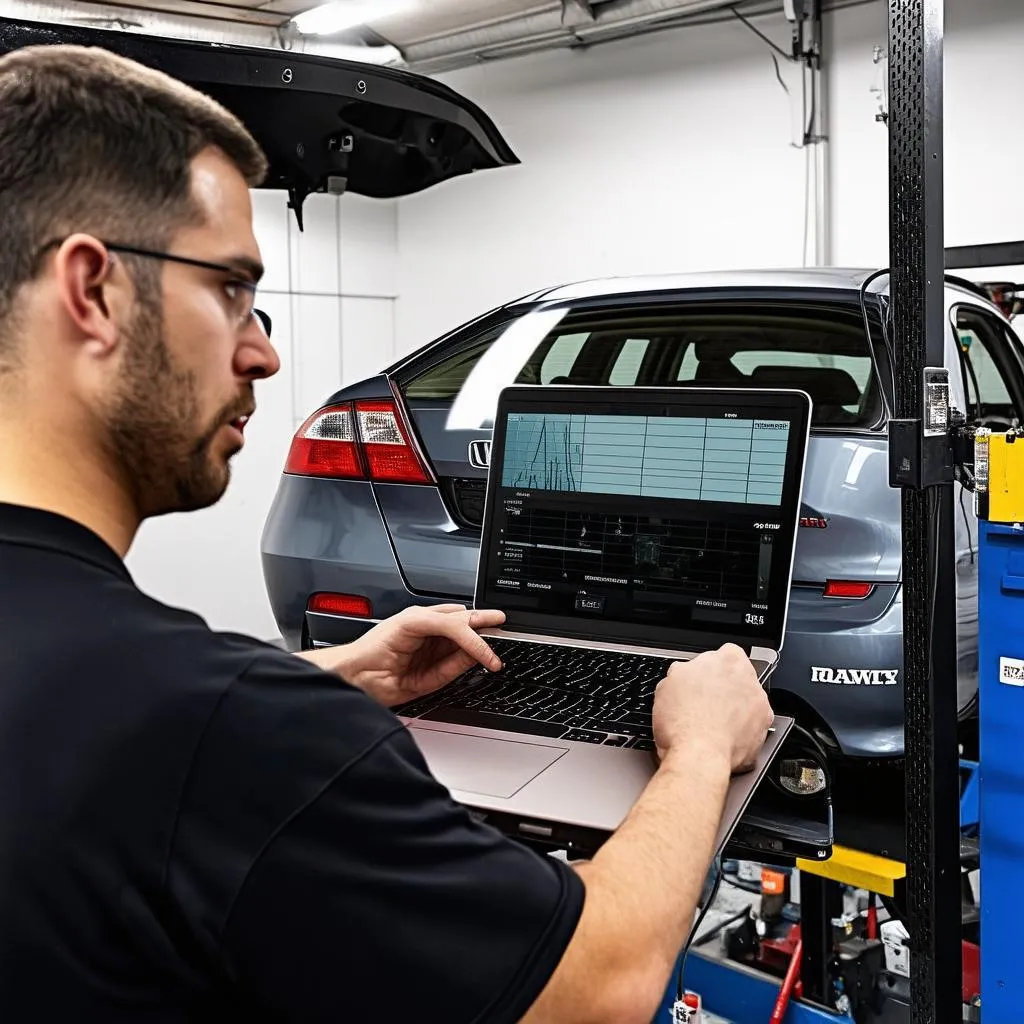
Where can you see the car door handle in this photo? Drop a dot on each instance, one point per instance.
(1013, 582)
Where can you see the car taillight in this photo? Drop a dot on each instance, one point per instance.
(385, 440)
(325, 445)
(367, 440)
(340, 604)
(848, 589)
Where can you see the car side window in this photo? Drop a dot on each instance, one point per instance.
(821, 350)
(688, 364)
(593, 357)
(560, 358)
(628, 362)
(987, 360)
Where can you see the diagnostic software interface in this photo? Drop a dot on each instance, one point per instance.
(658, 520)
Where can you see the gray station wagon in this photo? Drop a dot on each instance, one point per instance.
(380, 503)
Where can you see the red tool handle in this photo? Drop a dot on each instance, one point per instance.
(787, 984)
(872, 932)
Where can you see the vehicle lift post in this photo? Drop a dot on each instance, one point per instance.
(921, 463)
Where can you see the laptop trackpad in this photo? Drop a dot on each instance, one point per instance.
(476, 764)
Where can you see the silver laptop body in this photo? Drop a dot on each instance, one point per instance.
(624, 529)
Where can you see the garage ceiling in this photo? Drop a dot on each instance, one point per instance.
(428, 36)
(423, 20)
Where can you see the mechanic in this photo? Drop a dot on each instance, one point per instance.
(199, 826)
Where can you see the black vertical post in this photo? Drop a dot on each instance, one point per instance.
(821, 902)
(929, 617)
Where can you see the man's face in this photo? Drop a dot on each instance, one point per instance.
(191, 354)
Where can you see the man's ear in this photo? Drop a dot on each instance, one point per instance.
(95, 291)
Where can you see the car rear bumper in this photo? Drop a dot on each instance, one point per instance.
(849, 675)
(327, 536)
(841, 669)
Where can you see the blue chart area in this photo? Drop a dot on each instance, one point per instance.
(731, 460)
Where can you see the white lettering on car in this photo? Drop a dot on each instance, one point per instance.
(854, 676)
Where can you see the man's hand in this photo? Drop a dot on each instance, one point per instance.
(715, 701)
(415, 652)
(711, 717)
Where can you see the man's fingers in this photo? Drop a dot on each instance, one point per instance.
(460, 629)
(485, 618)
(479, 618)
(465, 636)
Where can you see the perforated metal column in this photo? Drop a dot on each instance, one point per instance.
(929, 673)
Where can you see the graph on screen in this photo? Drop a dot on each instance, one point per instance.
(708, 459)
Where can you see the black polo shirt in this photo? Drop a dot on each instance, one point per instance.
(196, 826)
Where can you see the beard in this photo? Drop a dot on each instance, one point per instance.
(163, 452)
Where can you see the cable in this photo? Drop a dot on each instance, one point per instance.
(743, 886)
(720, 927)
(807, 115)
(773, 50)
(778, 73)
(967, 524)
(757, 32)
(719, 875)
(885, 339)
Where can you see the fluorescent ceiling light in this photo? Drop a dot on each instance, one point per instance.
(382, 55)
(342, 14)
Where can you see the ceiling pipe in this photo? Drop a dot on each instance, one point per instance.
(474, 44)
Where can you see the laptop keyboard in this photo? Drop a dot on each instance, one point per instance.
(573, 693)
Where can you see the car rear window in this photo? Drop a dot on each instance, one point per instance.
(819, 349)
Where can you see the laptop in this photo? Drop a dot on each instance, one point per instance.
(623, 530)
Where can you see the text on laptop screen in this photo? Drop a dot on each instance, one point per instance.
(668, 521)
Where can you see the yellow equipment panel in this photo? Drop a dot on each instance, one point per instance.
(861, 870)
(999, 471)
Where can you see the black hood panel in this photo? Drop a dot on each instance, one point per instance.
(325, 124)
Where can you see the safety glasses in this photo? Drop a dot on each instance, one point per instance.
(241, 293)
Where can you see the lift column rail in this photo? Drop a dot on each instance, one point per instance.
(999, 500)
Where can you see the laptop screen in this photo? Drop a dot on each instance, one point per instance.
(658, 515)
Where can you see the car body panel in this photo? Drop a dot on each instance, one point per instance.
(448, 446)
(846, 485)
(327, 535)
(325, 124)
(835, 657)
(437, 557)
(841, 667)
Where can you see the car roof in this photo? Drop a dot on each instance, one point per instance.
(831, 279)
(824, 278)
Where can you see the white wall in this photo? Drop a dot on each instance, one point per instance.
(331, 293)
(666, 152)
(983, 155)
(673, 152)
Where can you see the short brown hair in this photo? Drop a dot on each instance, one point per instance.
(90, 141)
